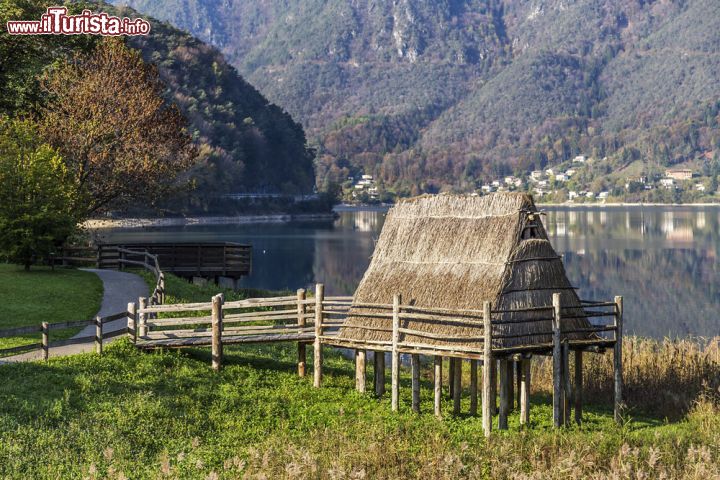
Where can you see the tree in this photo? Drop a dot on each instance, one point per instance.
(120, 140)
(36, 195)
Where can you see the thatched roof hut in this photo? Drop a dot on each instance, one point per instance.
(455, 252)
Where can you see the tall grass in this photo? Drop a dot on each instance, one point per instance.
(663, 378)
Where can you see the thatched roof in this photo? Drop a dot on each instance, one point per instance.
(455, 252)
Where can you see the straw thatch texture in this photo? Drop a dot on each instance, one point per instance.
(455, 252)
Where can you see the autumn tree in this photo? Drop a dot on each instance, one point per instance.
(37, 195)
(121, 141)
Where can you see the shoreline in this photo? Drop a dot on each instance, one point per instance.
(104, 223)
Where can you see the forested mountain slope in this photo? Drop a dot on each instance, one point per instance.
(436, 93)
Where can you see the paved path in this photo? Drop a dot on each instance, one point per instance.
(119, 289)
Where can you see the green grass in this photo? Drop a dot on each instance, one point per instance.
(128, 414)
(44, 295)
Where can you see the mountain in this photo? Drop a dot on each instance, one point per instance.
(429, 94)
(246, 143)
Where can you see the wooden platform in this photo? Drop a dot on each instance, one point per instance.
(208, 260)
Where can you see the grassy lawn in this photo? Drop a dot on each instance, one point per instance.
(167, 415)
(43, 295)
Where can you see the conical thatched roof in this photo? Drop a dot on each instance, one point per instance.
(455, 252)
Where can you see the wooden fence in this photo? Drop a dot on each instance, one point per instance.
(141, 259)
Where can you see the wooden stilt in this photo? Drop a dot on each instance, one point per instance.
(617, 360)
(457, 386)
(511, 384)
(379, 371)
(415, 376)
(567, 387)
(493, 386)
(437, 374)
(557, 364)
(395, 374)
(578, 392)
(525, 391)
(473, 387)
(360, 370)
(317, 345)
(518, 381)
(302, 352)
(451, 383)
(505, 382)
(487, 367)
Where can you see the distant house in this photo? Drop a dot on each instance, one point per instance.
(367, 177)
(537, 174)
(570, 172)
(580, 159)
(603, 195)
(572, 194)
(561, 177)
(589, 195)
(679, 174)
(496, 183)
(549, 172)
(487, 188)
(667, 183)
(542, 183)
(699, 187)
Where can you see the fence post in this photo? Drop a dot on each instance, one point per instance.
(317, 362)
(395, 374)
(142, 317)
(617, 357)
(162, 288)
(557, 364)
(45, 341)
(98, 335)
(301, 311)
(487, 367)
(132, 322)
(217, 347)
(121, 261)
(438, 384)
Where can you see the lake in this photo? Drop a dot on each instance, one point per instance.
(663, 260)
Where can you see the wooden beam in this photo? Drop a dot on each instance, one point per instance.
(132, 322)
(451, 383)
(473, 387)
(504, 394)
(557, 363)
(457, 386)
(395, 372)
(487, 367)
(415, 375)
(493, 386)
(142, 317)
(379, 371)
(217, 347)
(317, 346)
(301, 348)
(567, 387)
(518, 379)
(525, 391)
(511, 384)
(617, 361)
(437, 376)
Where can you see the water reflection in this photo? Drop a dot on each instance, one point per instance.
(662, 260)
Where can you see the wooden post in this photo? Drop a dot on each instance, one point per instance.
(437, 374)
(98, 335)
(451, 372)
(487, 367)
(317, 346)
(525, 391)
(415, 375)
(301, 311)
(473, 387)
(511, 384)
(360, 370)
(395, 374)
(162, 288)
(217, 347)
(578, 393)
(567, 388)
(557, 364)
(617, 357)
(518, 381)
(379, 373)
(493, 386)
(132, 322)
(457, 386)
(504, 394)
(45, 341)
(142, 303)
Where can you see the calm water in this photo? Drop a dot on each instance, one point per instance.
(663, 260)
